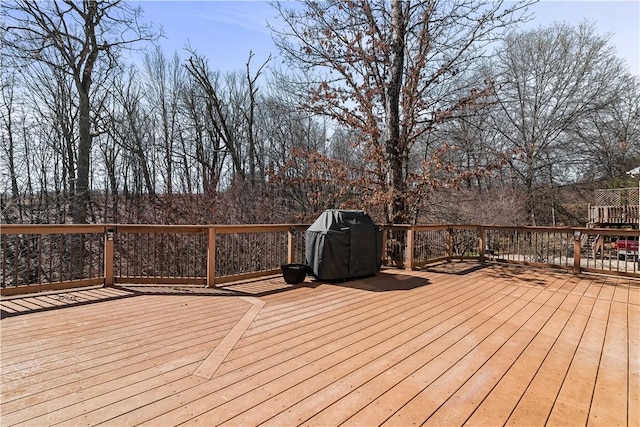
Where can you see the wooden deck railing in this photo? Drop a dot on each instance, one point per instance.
(49, 257)
(613, 214)
(573, 249)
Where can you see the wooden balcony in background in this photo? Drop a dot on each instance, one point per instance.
(616, 206)
(455, 343)
(613, 214)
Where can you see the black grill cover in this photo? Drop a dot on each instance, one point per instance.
(343, 244)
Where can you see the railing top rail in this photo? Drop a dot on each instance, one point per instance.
(609, 231)
(532, 228)
(397, 226)
(145, 228)
(158, 228)
(257, 228)
(51, 228)
(425, 227)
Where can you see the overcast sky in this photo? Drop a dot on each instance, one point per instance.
(225, 31)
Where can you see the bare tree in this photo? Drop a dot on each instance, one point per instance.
(608, 139)
(549, 79)
(164, 78)
(231, 104)
(52, 98)
(74, 36)
(8, 104)
(201, 147)
(292, 141)
(389, 70)
(250, 115)
(111, 152)
(37, 127)
(222, 113)
(132, 128)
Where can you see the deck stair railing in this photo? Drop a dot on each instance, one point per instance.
(50, 257)
(592, 244)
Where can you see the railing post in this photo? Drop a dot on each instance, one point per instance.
(109, 236)
(577, 249)
(410, 248)
(449, 243)
(291, 246)
(481, 244)
(211, 257)
(384, 246)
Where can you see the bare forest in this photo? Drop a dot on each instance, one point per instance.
(418, 112)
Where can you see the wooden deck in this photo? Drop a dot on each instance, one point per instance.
(453, 345)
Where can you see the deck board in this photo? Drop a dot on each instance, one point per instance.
(609, 404)
(453, 344)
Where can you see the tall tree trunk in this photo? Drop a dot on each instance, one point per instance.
(15, 193)
(81, 196)
(394, 146)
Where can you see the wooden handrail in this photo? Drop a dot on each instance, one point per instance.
(143, 228)
(51, 228)
(109, 231)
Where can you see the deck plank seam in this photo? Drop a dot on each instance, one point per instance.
(210, 365)
(91, 365)
(142, 327)
(599, 364)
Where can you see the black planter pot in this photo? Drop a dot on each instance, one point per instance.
(294, 273)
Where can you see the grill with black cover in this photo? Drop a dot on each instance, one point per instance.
(343, 244)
